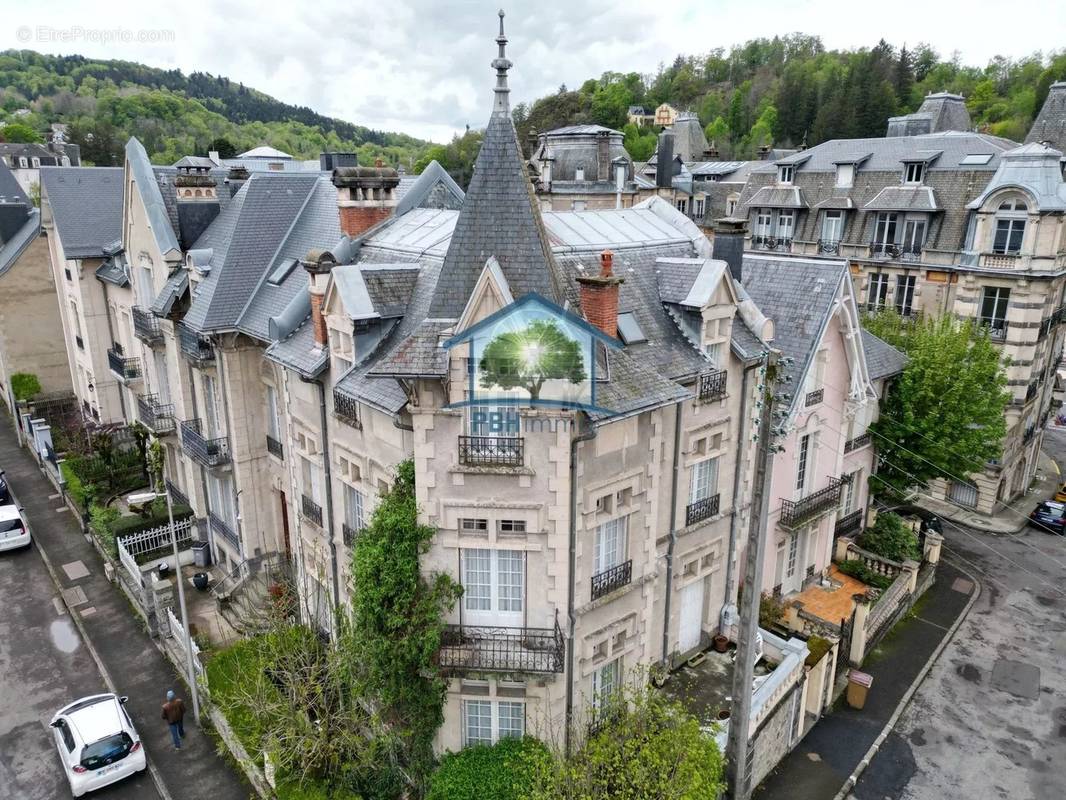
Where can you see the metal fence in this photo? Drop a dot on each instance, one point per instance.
(151, 541)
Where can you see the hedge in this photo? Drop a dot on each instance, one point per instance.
(134, 523)
(502, 771)
(857, 569)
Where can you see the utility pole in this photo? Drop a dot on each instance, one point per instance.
(737, 762)
(190, 668)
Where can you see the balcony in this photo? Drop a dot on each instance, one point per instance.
(126, 369)
(813, 398)
(274, 447)
(829, 246)
(795, 513)
(711, 385)
(146, 327)
(474, 648)
(209, 452)
(177, 496)
(346, 409)
(762, 242)
(997, 328)
(157, 417)
(1001, 260)
(849, 524)
(611, 579)
(223, 530)
(311, 510)
(702, 509)
(895, 252)
(859, 441)
(195, 347)
(491, 451)
(350, 534)
(1045, 328)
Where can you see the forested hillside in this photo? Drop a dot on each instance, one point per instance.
(783, 90)
(106, 102)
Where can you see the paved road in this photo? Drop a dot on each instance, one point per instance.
(990, 720)
(43, 666)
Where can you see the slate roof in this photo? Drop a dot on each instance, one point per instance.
(434, 188)
(86, 205)
(882, 359)
(10, 191)
(163, 226)
(176, 285)
(20, 222)
(903, 198)
(1050, 124)
(689, 140)
(798, 295)
(112, 271)
(501, 218)
(777, 197)
(1035, 169)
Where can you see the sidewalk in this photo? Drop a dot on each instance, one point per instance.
(117, 635)
(825, 759)
(1008, 520)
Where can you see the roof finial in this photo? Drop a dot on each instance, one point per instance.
(501, 65)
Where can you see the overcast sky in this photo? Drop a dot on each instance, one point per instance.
(422, 67)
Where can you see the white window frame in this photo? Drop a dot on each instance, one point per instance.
(682, 205)
(803, 462)
(845, 177)
(273, 419)
(878, 292)
(786, 224)
(886, 227)
(611, 545)
(606, 682)
(499, 603)
(905, 286)
(354, 507)
(703, 480)
(492, 713)
(914, 172)
(832, 225)
(579, 174)
(786, 173)
(764, 222)
(698, 207)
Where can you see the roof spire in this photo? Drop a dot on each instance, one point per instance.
(501, 65)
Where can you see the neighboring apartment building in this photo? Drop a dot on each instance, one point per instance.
(942, 223)
(26, 160)
(663, 115)
(31, 334)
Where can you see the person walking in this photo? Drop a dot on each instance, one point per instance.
(174, 714)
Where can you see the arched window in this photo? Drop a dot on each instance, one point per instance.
(1010, 226)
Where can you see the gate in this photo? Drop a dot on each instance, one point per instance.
(844, 650)
(963, 493)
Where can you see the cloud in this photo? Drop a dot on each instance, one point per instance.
(422, 67)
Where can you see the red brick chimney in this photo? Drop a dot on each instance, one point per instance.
(365, 196)
(599, 296)
(318, 264)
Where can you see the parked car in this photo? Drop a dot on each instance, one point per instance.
(929, 520)
(1049, 516)
(14, 530)
(97, 742)
(5, 493)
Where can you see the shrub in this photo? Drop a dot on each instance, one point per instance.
(502, 771)
(817, 646)
(75, 488)
(891, 538)
(771, 611)
(134, 523)
(860, 571)
(101, 522)
(25, 385)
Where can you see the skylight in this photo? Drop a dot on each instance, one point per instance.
(284, 269)
(976, 158)
(629, 329)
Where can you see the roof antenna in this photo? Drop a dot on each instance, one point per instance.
(501, 65)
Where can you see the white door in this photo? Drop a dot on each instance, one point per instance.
(691, 616)
(494, 587)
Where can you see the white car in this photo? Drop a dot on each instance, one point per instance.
(97, 742)
(14, 532)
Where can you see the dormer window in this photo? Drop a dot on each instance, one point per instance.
(785, 173)
(579, 174)
(1010, 226)
(845, 176)
(914, 172)
(340, 346)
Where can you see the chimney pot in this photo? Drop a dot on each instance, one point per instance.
(599, 296)
(606, 261)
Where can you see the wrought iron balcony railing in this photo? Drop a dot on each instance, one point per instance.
(221, 528)
(861, 440)
(895, 251)
(346, 409)
(997, 328)
(491, 451)
(274, 447)
(829, 246)
(157, 417)
(195, 347)
(813, 398)
(610, 579)
(209, 452)
(475, 648)
(772, 242)
(311, 510)
(146, 327)
(795, 513)
(849, 523)
(702, 509)
(350, 534)
(711, 385)
(127, 369)
(177, 496)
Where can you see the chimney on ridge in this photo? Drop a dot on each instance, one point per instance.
(197, 195)
(664, 165)
(318, 264)
(365, 196)
(599, 296)
(728, 244)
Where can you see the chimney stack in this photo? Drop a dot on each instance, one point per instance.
(764, 152)
(318, 263)
(603, 156)
(664, 165)
(197, 195)
(236, 178)
(365, 196)
(599, 296)
(728, 244)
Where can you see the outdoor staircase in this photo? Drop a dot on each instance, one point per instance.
(244, 596)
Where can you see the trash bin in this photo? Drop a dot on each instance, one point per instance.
(859, 684)
(201, 555)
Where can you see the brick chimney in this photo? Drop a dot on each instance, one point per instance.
(728, 244)
(318, 264)
(599, 296)
(365, 196)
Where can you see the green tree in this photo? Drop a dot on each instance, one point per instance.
(762, 132)
(891, 538)
(736, 120)
(223, 146)
(717, 132)
(19, 132)
(639, 142)
(943, 418)
(25, 385)
(527, 358)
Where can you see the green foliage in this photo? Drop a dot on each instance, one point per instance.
(457, 157)
(647, 746)
(860, 571)
(639, 142)
(817, 647)
(25, 386)
(75, 488)
(890, 537)
(771, 611)
(943, 418)
(396, 628)
(134, 523)
(102, 520)
(527, 358)
(503, 771)
(17, 132)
